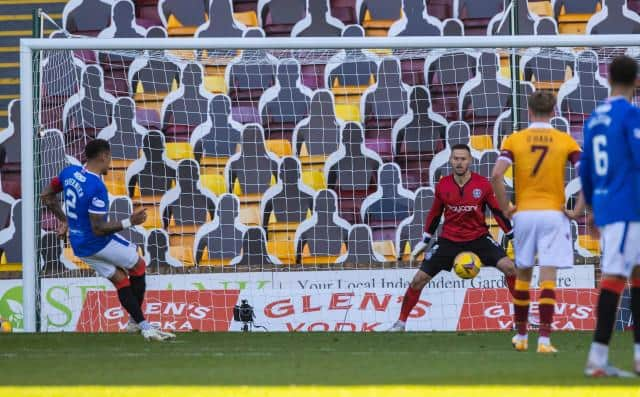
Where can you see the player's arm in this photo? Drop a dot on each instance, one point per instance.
(100, 224)
(497, 182)
(633, 135)
(103, 227)
(497, 177)
(49, 198)
(430, 226)
(503, 221)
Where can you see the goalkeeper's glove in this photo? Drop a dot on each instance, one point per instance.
(421, 246)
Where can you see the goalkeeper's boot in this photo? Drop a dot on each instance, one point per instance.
(607, 371)
(546, 348)
(153, 334)
(398, 326)
(133, 327)
(520, 342)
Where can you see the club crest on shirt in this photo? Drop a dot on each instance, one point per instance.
(476, 193)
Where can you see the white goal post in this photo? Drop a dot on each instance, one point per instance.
(28, 47)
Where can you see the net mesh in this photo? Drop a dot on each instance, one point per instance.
(322, 162)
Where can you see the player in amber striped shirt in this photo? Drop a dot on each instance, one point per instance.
(541, 228)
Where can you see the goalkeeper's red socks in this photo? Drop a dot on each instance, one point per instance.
(521, 306)
(610, 291)
(546, 304)
(410, 300)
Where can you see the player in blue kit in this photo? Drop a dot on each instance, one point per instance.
(93, 236)
(610, 174)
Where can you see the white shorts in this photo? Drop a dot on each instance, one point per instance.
(119, 253)
(620, 243)
(545, 234)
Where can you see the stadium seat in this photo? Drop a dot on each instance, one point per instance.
(88, 111)
(314, 179)
(214, 182)
(180, 17)
(446, 74)
(121, 208)
(253, 167)
(86, 17)
(500, 24)
(541, 8)
(344, 10)
(573, 15)
(579, 96)
(390, 204)
(377, 16)
(416, 137)
(360, 249)
(284, 105)
(220, 240)
(409, 231)
(153, 174)
(181, 112)
(254, 252)
(322, 238)
(247, 77)
(160, 260)
(179, 151)
(318, 134)
(318, 21)
(218, 137)
(277, 17)
(415, 21)
(475, 15)
(351, 171)
(614, 18)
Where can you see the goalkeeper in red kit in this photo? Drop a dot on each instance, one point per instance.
(463, 198)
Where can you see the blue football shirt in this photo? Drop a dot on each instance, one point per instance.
(84, 193)
(610, 163)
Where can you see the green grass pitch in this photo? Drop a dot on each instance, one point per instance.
(299, 359)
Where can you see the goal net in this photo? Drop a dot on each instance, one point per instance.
(298, 180)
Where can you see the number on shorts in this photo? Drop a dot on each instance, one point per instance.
(543, 153)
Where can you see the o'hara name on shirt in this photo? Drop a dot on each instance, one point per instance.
(543, 138)
(75, 183)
